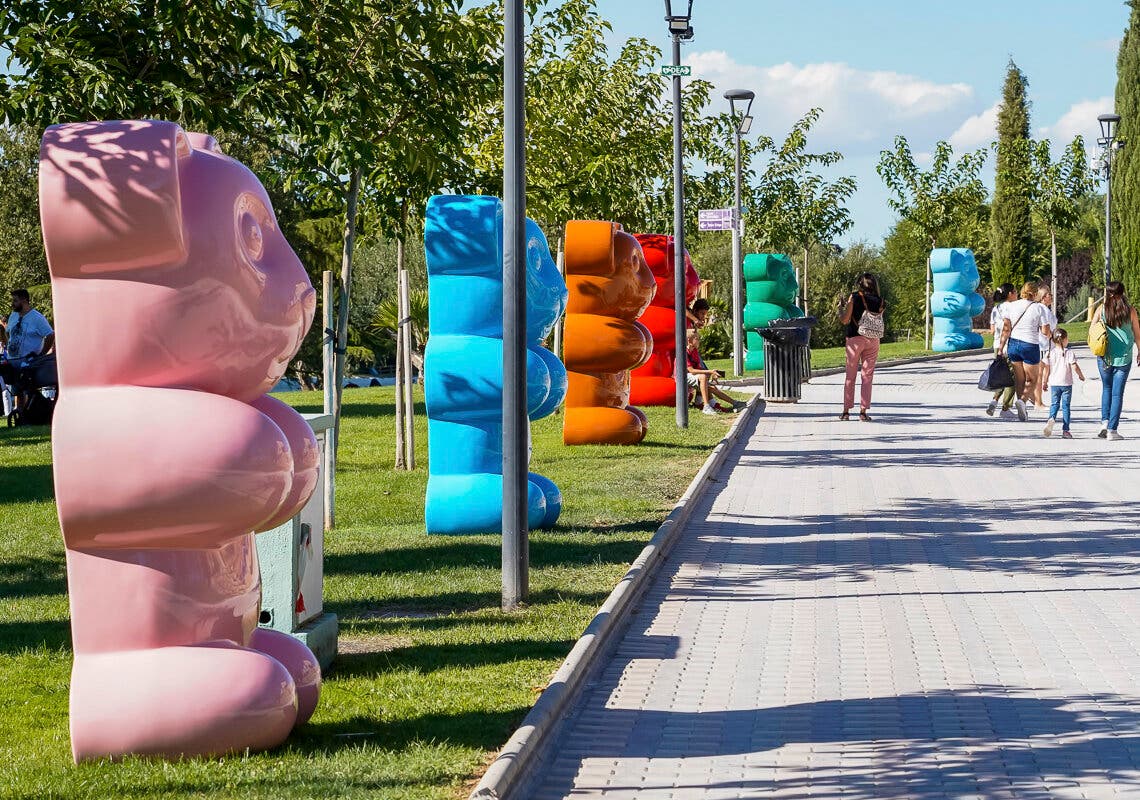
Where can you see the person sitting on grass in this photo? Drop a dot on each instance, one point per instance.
(702, 379)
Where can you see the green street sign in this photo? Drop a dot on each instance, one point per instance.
(670, 71)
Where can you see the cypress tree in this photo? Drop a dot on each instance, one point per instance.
(1011, 231)
(1126, 163)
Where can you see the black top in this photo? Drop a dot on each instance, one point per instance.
(873, 302)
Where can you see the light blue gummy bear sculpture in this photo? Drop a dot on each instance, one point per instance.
(955, 302)
(463, 364)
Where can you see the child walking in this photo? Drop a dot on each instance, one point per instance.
(1062, 365)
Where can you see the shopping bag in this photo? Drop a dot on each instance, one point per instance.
(997, 375)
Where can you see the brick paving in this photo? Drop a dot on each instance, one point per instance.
(934, 605)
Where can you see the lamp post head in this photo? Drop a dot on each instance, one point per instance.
(679, 23)
(1108, 125)
(743, 95)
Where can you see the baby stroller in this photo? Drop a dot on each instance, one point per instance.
(34, 390)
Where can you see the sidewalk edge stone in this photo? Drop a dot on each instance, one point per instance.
(510, 769)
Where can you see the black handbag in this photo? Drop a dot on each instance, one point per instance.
(998, 375)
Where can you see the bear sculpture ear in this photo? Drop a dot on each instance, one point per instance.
(110, 198)
(590, 248)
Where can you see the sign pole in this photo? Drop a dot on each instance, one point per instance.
(679, 307)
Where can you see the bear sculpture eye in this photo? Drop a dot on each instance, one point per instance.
(251, 237)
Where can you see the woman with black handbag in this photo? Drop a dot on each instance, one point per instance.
(862, 317)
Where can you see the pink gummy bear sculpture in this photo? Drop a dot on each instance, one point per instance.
(179, 305)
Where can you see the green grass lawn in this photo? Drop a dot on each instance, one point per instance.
(828, 357)
(432, 678)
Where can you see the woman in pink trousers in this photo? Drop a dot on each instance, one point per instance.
(862, 316)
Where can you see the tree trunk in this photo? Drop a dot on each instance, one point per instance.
(558, 325)
(1053, 286)
(345, 288)
(805, 286)
(401, 463)
(406, 358)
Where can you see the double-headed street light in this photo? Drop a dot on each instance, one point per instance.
(681, 29)
(1109, 144)
(742, 127)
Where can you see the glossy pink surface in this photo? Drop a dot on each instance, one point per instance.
(178, 304)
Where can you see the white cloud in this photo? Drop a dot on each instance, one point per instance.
(863, 109)
(977, 131)
(1079, 119)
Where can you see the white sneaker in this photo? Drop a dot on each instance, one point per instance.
(1049, 426)
(708, 410)
(992, 407)
(1103, 432)
(1022, 414)
(1114, 436)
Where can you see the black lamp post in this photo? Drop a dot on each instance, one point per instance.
(742, 127)
(1109, 123)
(681, 30)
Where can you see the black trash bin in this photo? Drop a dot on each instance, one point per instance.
(787, 358)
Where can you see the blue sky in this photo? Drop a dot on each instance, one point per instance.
(928, 70)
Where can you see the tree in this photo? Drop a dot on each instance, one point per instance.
(934, 201)
(215, 65)
(1011, 224)
(1126, 162)
(1056, 191)
(383, 89)
(596, 126)
(22, 261)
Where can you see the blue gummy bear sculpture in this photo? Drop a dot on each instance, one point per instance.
(955, 302)
(463, 364)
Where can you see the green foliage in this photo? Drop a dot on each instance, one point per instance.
(1011, 234)
(22, 261)
(1126, 162)
(209, 65)
(935, 201)
(1078, 302)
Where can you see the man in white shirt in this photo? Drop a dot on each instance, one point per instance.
(27, 334)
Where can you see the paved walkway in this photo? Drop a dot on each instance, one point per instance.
(934, 605)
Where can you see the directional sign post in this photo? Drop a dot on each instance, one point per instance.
(716, 219)
(671, 70)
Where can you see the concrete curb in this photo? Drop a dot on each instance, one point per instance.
(511, 768)
(898, 362)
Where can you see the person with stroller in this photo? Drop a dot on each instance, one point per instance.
(26, 335)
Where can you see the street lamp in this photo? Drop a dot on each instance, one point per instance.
(1109, 123)
(680, 30)
(742, 127)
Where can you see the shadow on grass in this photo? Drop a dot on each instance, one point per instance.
(30, 576)
(422, 658)
(459, 601)
(461, 554)
(485, 730)
(26, 483)
(15, 637)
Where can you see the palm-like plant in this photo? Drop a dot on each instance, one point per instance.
(386, 322)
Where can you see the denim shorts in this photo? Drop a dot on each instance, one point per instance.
(1028, 353)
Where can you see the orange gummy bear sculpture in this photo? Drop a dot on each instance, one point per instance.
(610, 286)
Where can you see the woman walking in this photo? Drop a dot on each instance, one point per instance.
(1020, 340)
(862, 317)
(1041, 383)
(1002, 295)
(1123, 332)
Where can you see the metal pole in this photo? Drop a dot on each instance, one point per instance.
(516, 553)
(679, 305)
(1108, 215)
(328, 383)
(737, 274)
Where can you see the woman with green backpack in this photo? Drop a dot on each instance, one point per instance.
(1112, 336)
